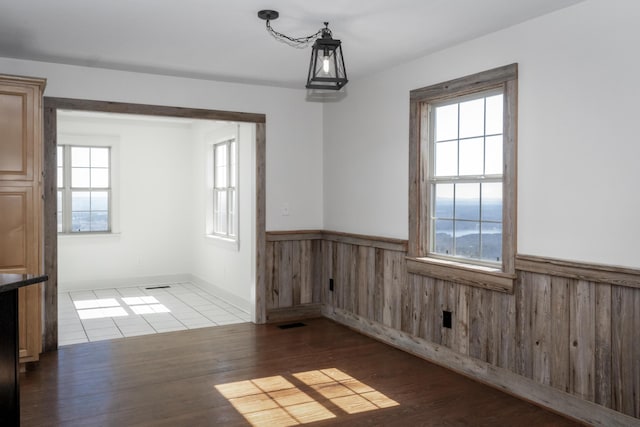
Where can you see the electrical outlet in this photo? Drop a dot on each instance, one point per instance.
(446, 319)
(331, 285)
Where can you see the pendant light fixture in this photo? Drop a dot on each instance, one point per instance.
(326, 67)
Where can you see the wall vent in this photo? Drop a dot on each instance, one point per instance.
(291, 325)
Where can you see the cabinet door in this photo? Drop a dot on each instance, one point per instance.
(19, 227)
(19, 254)
(29, 318)
(18, 115)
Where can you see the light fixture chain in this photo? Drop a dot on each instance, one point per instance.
(300, 42)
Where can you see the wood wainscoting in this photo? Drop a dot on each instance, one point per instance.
(570, 332)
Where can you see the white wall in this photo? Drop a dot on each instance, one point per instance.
(153, 198)
(294, 126)
(229, 268)
(578, 150)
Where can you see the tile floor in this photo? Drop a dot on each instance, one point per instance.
(125, 312)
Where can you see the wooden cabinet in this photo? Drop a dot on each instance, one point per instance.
(21, 207)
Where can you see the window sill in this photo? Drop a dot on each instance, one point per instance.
(473, 275)
(88, 235)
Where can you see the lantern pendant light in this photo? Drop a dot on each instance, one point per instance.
(326, 67)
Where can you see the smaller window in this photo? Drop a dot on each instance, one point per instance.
(224, 190)
(84, 189)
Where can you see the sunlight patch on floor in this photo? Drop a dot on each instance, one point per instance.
(276, 401)
(99, 308)
(110, 307)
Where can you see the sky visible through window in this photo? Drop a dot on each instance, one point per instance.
(467, 178)
(88, 188)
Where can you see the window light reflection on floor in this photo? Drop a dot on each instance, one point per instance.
(276, 401)
(140, 300)
(110, 307)
(99, 308)
(145, 305)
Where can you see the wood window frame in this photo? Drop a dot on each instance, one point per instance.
(418, 259)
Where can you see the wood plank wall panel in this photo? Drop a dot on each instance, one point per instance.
(294, 273)
(578, 336)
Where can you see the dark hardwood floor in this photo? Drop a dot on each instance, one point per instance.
(242, 375)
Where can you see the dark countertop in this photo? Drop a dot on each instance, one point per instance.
(10, 282)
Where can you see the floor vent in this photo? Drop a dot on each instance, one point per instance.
(291, 325)
(159, 287)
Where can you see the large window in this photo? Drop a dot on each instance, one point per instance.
(465, 176)
(463, 179)
(225, 189)
(84, 189)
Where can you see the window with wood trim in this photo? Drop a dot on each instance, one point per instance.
(463, 176)
(84, 189)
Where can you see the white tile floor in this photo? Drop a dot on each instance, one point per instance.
(126, 312)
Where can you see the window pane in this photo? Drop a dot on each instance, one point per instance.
(444, 237)
(220, 212)
(60, 177)
(100, 178)
(468, 239)
(472, 118)
(492, 241)
(232, 168)
(99, 201)
(99, 221)
(81, 201)
(80, 156)
(59, 212)
(444, 201)
(232, 220)
(492, 201)
(446, 158)
(471, 156)
(80, 221)
(446, 122)
(99, 157)
(467, 201)
(494, 115)
(493, 155)
(80, 178)
(220, 165)
(60, 156)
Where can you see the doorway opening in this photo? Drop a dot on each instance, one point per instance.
(151, 217)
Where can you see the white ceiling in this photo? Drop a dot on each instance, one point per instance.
(225, 40)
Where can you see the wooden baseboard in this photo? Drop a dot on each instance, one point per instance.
(301, 312)
(502, 379)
